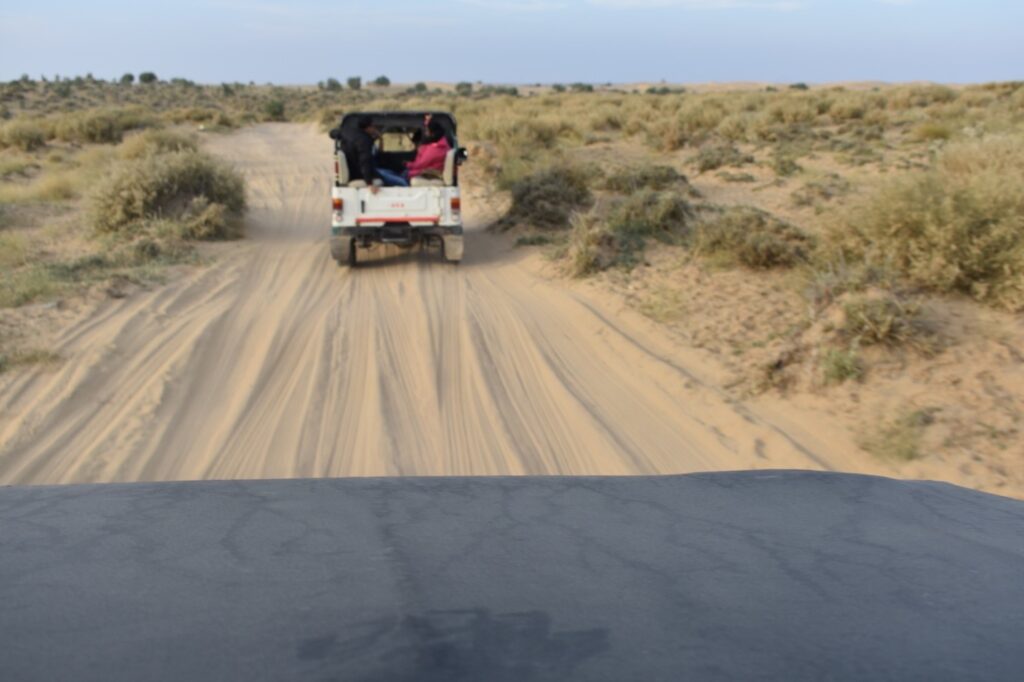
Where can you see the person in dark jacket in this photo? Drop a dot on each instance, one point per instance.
(358, 147)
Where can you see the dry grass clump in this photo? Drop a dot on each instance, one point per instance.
(714, 156)
(615, 233)
(26, 357)
(900, 438)
(839, 365)
(100, 126)
(546, 198)
(753, 238)
(156, 142)
(956, 227)
(204, 194)
(886, 319)
(22, 133)
(650, 176)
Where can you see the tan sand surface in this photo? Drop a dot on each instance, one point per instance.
(275, 362)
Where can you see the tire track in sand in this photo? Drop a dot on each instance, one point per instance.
(275, 362)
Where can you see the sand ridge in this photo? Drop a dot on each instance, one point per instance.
(276, 363)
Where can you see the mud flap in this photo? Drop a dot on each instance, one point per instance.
(452, 247)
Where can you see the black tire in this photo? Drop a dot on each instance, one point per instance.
(352, 259)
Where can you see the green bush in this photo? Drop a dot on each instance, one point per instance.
(185, 185)
(332, 85)
(382, 81)
(956, 227)
(548, 197)
(649, 213)
(838, 365)
(147, 77)
(273, 110)
(355, 83)
(753, 238)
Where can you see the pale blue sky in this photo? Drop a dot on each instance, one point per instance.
(519, 41)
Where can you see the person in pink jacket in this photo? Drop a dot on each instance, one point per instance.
(431, 153)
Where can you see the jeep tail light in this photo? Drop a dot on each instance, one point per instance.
(338, 204)
(337, 168)
(456, 204)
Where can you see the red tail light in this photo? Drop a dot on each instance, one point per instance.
(337, 168)
(338, 204)
(456, 204)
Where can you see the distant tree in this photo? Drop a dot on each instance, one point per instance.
(147, 77)
(382, 81)
(332, 85)
(355, 83)
(226, 90)
(419, 88)
(582, 87)
(127, 79)
(558, 87)
(799, 86)
(464, 88)
(274, 110)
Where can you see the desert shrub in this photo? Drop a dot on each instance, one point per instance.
(465, 88)
(737, 177)
(127, 79)
(649, 176)
(273, 110)
(23, 134)
(650, 213)
(753, 238)
(155, 142)
(101, 126)
(382, 81)
(332, 85)
(696, 119)
(548, 197)
(956, 227)
(147, 77)
(355, 83)
(536, 239)
(825, 189)
(183, 185)
(920, 96)
(799, 86)
(714, 156)
(879, 320)
(899, 438)
(885, 319)
(932, 131)
(594, 247)
(839, 365)
(784, 162)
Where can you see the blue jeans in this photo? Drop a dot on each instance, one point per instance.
(391, 178)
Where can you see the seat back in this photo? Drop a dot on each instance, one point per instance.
(449, 168)
(342, 175)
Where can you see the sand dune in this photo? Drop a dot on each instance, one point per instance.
(275, 362)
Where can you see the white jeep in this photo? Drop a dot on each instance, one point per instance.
(427, 213)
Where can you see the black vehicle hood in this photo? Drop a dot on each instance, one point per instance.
(755, 575)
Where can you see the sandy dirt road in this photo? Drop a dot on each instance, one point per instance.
(274, 362)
